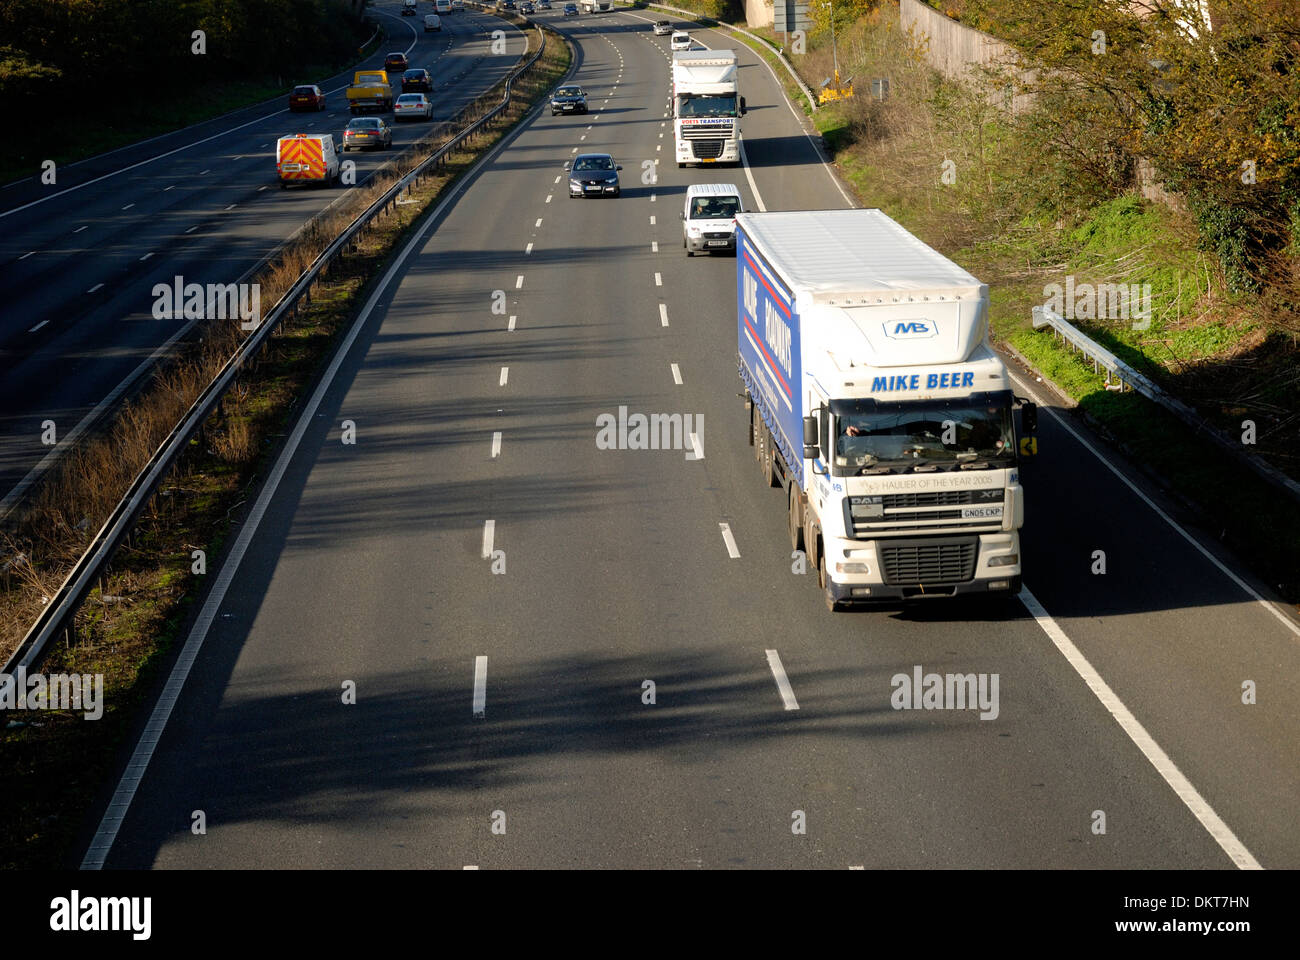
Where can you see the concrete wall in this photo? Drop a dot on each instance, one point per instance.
(959, 52)
(758, 13)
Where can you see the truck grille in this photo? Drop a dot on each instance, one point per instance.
(939, 498)
(930, 561)
(706, 149)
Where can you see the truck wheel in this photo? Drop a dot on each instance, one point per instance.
(796, 518)
(824, 581)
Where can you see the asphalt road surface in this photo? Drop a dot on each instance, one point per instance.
(501, 719)
(79, 259)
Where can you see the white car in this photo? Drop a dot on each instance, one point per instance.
(413, 106)
(681, 40)
(663, 28)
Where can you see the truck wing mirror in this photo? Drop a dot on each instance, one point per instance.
(1029, 418)
(742, 106)
(810, 449)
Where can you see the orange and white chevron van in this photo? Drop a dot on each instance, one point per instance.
(307, 158)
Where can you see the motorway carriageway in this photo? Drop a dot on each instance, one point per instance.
(518, 698)
(79, 259)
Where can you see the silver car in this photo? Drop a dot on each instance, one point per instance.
(413, 106)
(663, 28)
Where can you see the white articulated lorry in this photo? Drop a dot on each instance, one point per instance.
(707, 106)
(877, 401)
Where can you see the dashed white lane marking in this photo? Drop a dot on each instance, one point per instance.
(261, 188)
(574, 150)
(677, 375)
(496, 444)
(511, 325)
(172, 187)
(480, 687)
(192, 229)
(659, 146)
(539, 219)
(548, 198)
(696, 447)
(528, 249)
(94, 288)
(489, 536)
(663, 314)
(202, 172)
(505, 375)
(583, 137)
(519, 281)
(26, 255)
(1191, 798)
(38, 326)
(729, 540)
(470, 866)
(145, 257)
(652, 221)
(231, 207)
(82, 227)
(659, 280)
(557, 179)
(782, 681)
(128, 206)
(654, 246)
(652, 198)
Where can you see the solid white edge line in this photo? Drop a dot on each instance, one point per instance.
(1260, 599)
(732, 550)
(480, 687)
(1191, 798)
(782, 681)
(109, 825)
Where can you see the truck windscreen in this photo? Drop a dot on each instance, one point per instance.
(720, 106)
(971, 432)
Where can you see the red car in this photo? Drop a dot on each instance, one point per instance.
(307, 97)
(395, 63)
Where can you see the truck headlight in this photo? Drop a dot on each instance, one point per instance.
(852, 567)
(1006, 560)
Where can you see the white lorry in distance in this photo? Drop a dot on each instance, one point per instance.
(877, 401)
(597, 6)
(707, 107)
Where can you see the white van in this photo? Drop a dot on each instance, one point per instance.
(433, 23)
(442, 6)
(709, 217)
(306, 158)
